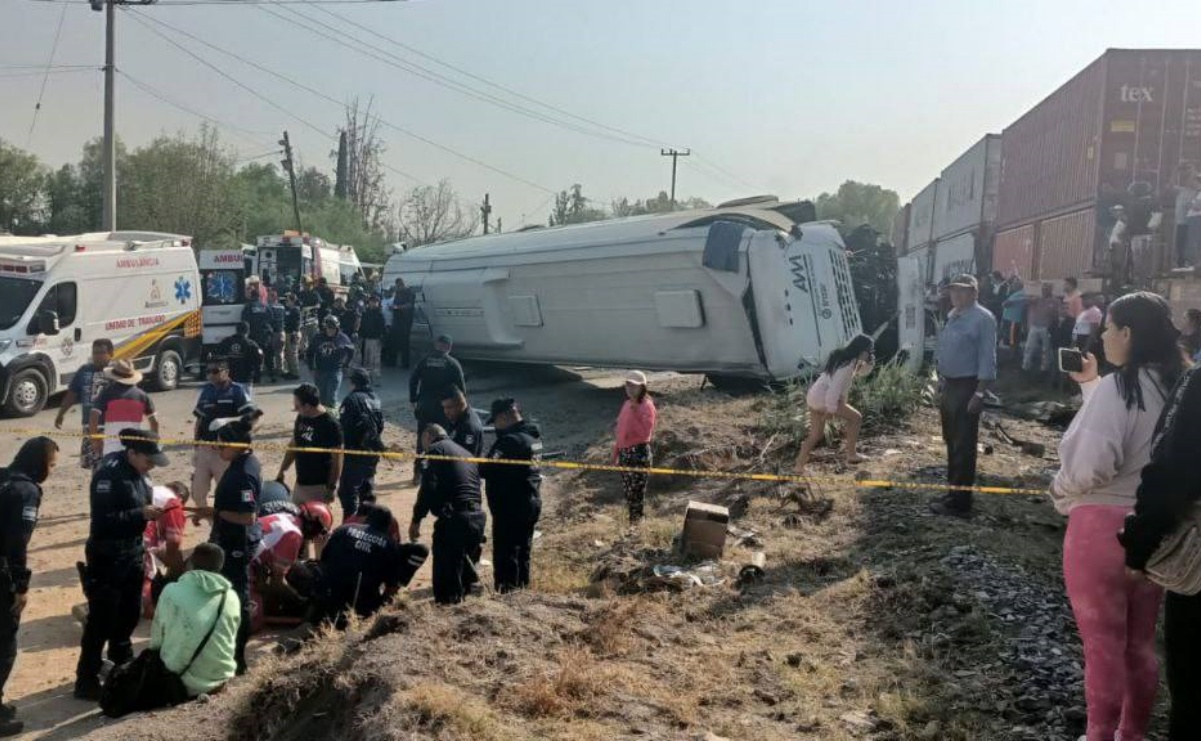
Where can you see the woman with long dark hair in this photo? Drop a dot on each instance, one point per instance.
(827, 398)
(1102, 455)
(635, 431)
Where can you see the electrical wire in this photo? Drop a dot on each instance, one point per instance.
(144, 20)
(37, 108)
(182, 3)
(40, 67)
(39, 73)
(257, 137)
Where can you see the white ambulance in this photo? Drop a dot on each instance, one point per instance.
(57, 294)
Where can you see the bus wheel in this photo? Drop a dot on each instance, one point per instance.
(27, 395)
(166, 371)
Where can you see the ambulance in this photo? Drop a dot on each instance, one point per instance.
(57, 294)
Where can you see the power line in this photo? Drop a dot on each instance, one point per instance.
(718, 168)
(645, 141)
(39, 73)
(323, 96)
(37, 108)
(360, 46)
(41, 67)
(251, 135)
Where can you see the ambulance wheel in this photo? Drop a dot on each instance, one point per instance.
(27, 395)
(167, 370)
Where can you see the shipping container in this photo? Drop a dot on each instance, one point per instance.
(900, 230)
(967, 190)
(1119, 133)
(1013, 251)
(1065, 245)
(1049, 155)
(954, 256)
(921, 217)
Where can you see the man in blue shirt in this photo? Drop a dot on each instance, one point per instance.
(220, 398)
(328, 355)
(86, 385)
(967, 364)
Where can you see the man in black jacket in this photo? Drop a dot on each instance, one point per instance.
(362, 420)
(292, 346)
(450, 490)
(371, 333)
(244, 355)
(465, 427)
(436, 377)
(361, 568)
(513, 494)
(404, 307)
(121, 505)
(20, 500)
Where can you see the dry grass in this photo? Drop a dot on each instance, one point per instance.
(441, 711)
(568, 689)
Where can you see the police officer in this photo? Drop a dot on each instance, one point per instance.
(329, 353)
(362, 420)
(310, 309)
(465, 426)
(235, 526)
(20, 500)
(434, 379)
(292, 323)
(257, 314)
(325, 294)
(361, 568)
(513, 494)
(450, 490)
(244, 356)
(120, 508)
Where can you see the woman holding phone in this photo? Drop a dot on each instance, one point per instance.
(1102, 455)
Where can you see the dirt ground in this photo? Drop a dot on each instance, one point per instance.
(574, 410)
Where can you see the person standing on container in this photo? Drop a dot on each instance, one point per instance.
(966, 358)
(635, 431)
(827, 397)
(1102, 456)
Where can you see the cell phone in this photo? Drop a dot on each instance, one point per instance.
(1071, 360)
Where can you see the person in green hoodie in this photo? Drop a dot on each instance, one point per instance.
(202, 600)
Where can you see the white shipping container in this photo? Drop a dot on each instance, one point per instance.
(921, 217)
(967, 189)
(954, 256)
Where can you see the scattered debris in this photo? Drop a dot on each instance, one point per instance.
(704, 533)
(753, 571)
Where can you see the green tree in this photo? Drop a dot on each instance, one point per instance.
(660, 204)
(435, 213)
(571, 207)
(22, 179)
(856, 204)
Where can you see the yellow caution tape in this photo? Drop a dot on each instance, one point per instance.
(780, 478)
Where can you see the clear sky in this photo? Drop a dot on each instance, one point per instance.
(781, 96)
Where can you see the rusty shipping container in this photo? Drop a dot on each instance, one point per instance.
(921, 217)
(967, 190)
(1131, 118)
(1013, 251)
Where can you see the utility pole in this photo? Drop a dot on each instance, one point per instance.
(290, 168)
(675, 155)
(109, 207)
(485, 212)
(499, 228)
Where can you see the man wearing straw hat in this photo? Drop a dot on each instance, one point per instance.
(122, 404)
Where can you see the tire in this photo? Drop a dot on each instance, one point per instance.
(167, 370)
(27, 394)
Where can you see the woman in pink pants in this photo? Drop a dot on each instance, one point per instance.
(1102, 455)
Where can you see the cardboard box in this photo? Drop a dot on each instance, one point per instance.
(704, 530)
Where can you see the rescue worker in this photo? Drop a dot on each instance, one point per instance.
(221, 398)
(275, 498)
(244, 355)
(465, 426)
(275, 351)
(257, 314)
(292, 324)
(121, 505)
(325, 294)
(20, 500)
(360, 569)
(404, 305)
(362, 420)
(329, 354)
(436, 377)
(285, 537)
(513, 494)
(309, 303)
(450, 490)
(235, 524)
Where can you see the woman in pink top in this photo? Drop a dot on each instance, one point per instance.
(827, 398)
(635, 430)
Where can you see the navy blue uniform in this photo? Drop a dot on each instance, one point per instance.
(435, 378)
(258, 315)
(468, 433)
(450, 490)
(216, 403)
(245, 358)
(20, 500)
(327, 356)
(238, 492)
(291, 319)
(114, 553)
(515, 502)
(362, 420)
(360, 569)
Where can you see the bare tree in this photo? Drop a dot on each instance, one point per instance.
(360, 167)
(433, 213)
